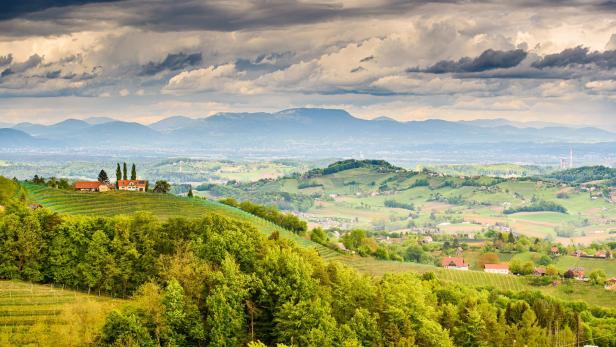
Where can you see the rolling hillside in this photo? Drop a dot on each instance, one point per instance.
(166, 206)
(380, 197)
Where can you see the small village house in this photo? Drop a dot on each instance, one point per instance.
(455, 263)
(539, 271)
(133, 185)
(575, 272)
(502, 269)
(95, 186)
(610, 284)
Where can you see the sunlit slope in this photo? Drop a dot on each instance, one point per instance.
(161, 205)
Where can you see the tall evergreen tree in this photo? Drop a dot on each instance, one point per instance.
(118, 174)
(133, 172)
(124, 176)
(102, 177)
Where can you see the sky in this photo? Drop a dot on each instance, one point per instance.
(143, 60)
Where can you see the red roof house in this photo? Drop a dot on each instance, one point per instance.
(454, 263)
(95, 186)
(610, 284)
(132, 185)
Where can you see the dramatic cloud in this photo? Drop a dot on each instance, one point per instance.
(173, 62)
(488, 60)
(33, 61)
(529, 59)
(578, 56)
(6, 60)
(15, 8)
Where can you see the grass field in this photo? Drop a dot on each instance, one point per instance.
(41, 315)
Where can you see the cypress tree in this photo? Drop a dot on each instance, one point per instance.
(190, 193)
(118, 174)
(125, 172)
(133, 172)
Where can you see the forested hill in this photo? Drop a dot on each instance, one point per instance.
(584, 174)
(381, 166)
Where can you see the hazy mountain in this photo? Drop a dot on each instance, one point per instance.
(498, 122)
(319, 133)
(5, 125)
(12, 138)
(120, 134)
(173, 123)
(98, 120)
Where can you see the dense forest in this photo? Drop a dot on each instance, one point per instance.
(217, 281)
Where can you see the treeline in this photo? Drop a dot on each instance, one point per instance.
(397, 204)
(214, 281)
(537, 206)
(251, 191)
(584, 174)
(288, 221)
(379, 165)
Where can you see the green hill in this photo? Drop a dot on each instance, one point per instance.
(161, 205)
(165, 206)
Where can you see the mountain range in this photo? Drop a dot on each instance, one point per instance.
(302, 131)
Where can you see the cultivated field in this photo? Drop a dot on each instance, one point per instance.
(43, 315)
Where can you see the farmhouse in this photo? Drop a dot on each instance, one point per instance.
(502, 269)
(456, 263)
(575, 272)
(539, 271)
(132, 185)
(610, 284)
(91, 186)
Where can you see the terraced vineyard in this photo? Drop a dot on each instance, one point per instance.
(41, 315)
(162, 205)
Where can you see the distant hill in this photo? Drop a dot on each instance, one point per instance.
(584, 174)
(325, 133)
(13, 138)
(173, 123)
(98, 120)
(380, 166)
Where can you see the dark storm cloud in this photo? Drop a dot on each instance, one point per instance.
(189, 15)
(266, 62)
(33, 61)
(173, 62)
(10, 9)
(6, 59)
(577, 56)
(488, 60)
(53, 74)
